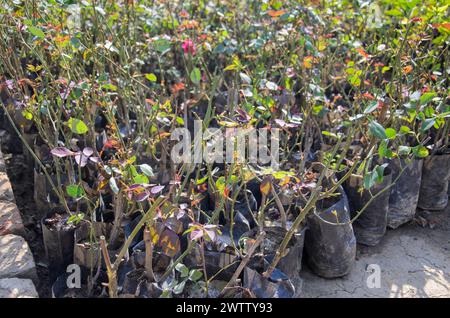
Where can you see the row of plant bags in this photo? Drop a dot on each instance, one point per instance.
(422, 183)
(435, 177)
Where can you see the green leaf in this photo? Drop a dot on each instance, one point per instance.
(147, 170)
(151, 77)
(371, 107)
(230, 67)
(427, 124)
(140, 179)
(161, 45)
(27, 114)
(404, 150)
(178, 289)
(77, 126)
(382, 149)
(426, 98)
(195, 275)
(420, 151)
(75, 191)
(377, 130)
(355, 80)
(195, 76)
(329, 134)
(282, 174)
(180, 120)
(36, 32)
(75, 218)
(394, 12)
(184, 271)
(405, 130)
(379, 170)
(391, 133)
(369, 179)
(113, 185)
(202, 180)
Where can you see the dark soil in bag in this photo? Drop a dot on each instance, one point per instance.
(58, 237)
(405, 192)
(291, 263)
(371, 224)
(434, 186)
(330, 249)
(87, 252)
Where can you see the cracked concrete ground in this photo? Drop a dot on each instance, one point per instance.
(414, 262)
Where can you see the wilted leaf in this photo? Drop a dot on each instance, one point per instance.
(407, 69)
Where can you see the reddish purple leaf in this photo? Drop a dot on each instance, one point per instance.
(142, 196)
(88, 151)
(243, 116)
(94, 159)
(156, 189)
(196, 234)
(80, 159)
(61, 152)
(211, 234)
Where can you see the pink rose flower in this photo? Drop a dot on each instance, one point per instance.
(189, 47)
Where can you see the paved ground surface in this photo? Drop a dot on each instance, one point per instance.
(414, 261)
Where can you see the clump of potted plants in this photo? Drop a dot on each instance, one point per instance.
(360, 119)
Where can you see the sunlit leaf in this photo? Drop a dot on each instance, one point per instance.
(77, 126)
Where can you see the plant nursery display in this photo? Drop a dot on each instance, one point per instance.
(212, 148)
